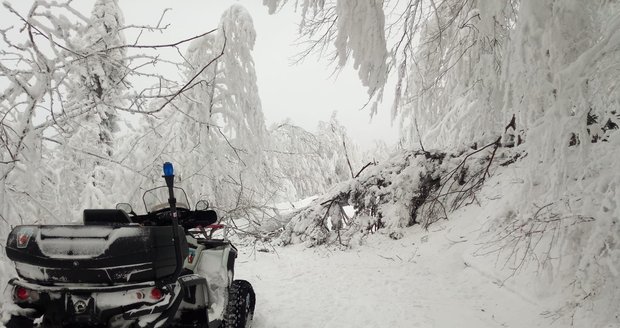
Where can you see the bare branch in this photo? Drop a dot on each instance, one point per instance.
(157, 46)
(194, 77)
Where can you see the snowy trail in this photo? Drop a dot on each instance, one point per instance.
(421, 280)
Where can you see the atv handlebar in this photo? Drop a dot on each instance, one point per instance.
(217, 226)
(212, 228)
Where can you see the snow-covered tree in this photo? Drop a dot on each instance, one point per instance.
(65, 78)
(215, 131)
(298, 159)
(432, 49)
(226, 93)
(355, 30)
(313, 162)
(337, 150)
(99, 82)
(102, 73)
(34, 71)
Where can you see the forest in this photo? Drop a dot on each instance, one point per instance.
(524, 92)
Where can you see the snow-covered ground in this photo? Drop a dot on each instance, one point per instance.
(426, 279)
(447, 276)
(422, 280)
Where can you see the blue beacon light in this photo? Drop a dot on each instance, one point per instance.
(168, 169)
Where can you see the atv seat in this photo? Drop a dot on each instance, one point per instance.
(106, 217)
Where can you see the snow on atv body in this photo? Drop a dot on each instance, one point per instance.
(120, 270)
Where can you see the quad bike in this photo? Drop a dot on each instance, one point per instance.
(121, 269)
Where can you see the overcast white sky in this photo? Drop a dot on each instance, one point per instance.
(305, 92)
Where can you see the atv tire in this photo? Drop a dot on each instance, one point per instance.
(20, 322)
(240, 308)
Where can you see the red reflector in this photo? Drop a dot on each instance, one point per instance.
(23, 239)
(23, 236)
(156, 293)
(22, 293)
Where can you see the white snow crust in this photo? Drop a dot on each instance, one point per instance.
(83, 243)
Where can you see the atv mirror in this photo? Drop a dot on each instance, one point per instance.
(125, 207)
(202, 205)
